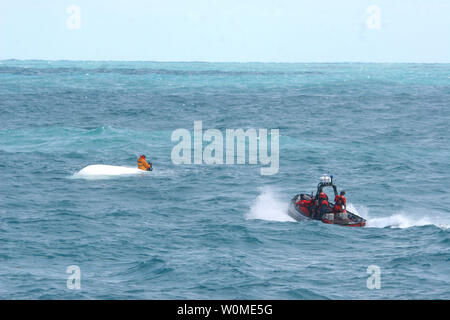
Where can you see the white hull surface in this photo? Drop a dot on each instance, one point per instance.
(105, 171)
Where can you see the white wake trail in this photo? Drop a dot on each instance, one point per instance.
(398, 220)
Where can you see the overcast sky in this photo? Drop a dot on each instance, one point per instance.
(227, 30)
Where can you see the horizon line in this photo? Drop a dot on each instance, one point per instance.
(217, 61)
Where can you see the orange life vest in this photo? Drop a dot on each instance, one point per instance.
(143, 164)
(304, 202)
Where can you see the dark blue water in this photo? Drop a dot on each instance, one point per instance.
(221, 231)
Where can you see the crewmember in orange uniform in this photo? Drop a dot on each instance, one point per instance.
(340, 203)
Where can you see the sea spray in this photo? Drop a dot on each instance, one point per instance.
(268, 206)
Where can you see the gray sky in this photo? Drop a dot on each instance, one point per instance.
(227, 30)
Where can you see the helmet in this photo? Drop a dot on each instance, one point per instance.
(322, 195)
(342, 192)
(142, 156)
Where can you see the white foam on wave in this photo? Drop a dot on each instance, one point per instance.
(398, 220)
(268, 206)
(102, 171)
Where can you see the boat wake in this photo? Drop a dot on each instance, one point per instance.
(101, 171)
(397, 220)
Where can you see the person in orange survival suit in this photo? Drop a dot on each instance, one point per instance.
(143, 164)
(340, 203)
(305, 203)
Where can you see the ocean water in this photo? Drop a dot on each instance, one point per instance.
(221, 231)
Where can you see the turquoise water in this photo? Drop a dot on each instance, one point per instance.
(221, 231)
